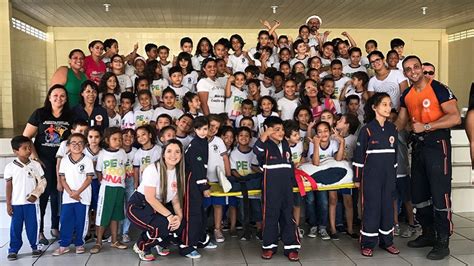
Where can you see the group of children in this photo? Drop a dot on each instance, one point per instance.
(279, 105)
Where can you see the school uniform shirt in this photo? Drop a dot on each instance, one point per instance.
(324, 154)
(156, 87)
(255, 122)
(261, 119)
(143, 158)
(287, 107)
(190, 80)
(195, 114)
(196, 60)
(62, 150)
(143, 117)
(296, 152)
(98, 117)
(237, 63)
(278, 95)
(344, 61)
(185, 140)
(242, 161)
(339, 85)
(349, 147)
(325, 62)
(51, 131)
(22, 178)
(217, 149)
(129, 173)
(215, 99)
(180, 92)
(128, 120)
(175, 113)
(112, 166)
(93, 156)
(75, 173)
(151, 178)
(364, 61)
(124, 82)
(390, 85)
(115, 121)
(266, 91)
(296, 60)
(233, 104)
(165, 70)
(348, 70)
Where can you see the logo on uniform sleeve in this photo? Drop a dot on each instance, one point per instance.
(426, 103)
(391, 140)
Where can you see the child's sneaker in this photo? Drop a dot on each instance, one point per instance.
(162, 251)
(12, 256)
(193, 255)
(313, 232)
(125, 238)
(210, 245)
(324, 234)
(219, 236)
(109, 239)
(334, 236)
(396, 230)
(142, 255)
(409, 232)
(300, 232)
(233, 233)
(36, 253)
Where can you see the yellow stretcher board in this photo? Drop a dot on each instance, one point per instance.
(216, 190)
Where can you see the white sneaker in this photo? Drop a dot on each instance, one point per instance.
(109, 240)
(396, 230)
(409, 232)
(125, 238)
(324, 234)
(211, 245)
(300, 232)
(219, 236)
(313, 232)
(162, 251)
(223, 181)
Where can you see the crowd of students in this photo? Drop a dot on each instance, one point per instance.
(148, 133)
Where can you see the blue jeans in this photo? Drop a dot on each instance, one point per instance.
(129, 189)
(317, 208)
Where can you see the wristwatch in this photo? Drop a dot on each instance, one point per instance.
(427, 127)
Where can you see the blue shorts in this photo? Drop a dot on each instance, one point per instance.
(297, 199)
(344, 191)
(221, 201)
(95, 185)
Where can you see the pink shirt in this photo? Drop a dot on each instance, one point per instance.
(94, 71)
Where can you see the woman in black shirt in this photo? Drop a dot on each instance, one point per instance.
(89, 109)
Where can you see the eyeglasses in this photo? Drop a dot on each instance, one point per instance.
(376, 60)
(79, 143)
(431, 73)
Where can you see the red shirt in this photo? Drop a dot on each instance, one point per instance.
(94, 71)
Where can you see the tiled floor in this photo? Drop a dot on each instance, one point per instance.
(235, 252)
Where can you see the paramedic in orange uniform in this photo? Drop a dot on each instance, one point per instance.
(432, 109)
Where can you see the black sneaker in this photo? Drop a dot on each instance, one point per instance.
(36, 253)
(43, 242)
(334, 236)
(259, 235)
(12, 256)
(353, 235)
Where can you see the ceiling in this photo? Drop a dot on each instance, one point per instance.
(247, 13)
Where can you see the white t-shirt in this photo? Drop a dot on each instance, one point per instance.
(324, 154)
(190, 80)
(233, 104)
(349, 147)
(296, 152)
(278, 95)
(128, 121)
(255, 122)
(344, 61)
(348, 70)
(185, 140)
(180, 92)
(196, 60)
(215, 99)
(143, 158)
(62, 150)
(287, 108)
(151, 178)
(296, 60)
(390, 85)
(129, 173)
(23, 180)
(364, 61)
(124, 82)
(165, 70)
(75, 173)
(237, 63)
(93, 156)
(217, 150)
(339, 85)
(325, 62)
(156, 87)
(115, 121)
(242, 161)
(266, 91)
(143, 117)
(112, 166)
(175, 113)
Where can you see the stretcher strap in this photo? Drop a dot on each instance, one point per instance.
(301, 178)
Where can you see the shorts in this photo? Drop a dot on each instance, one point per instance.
(220, 201)
(110, 205)
(344, 191)
(297, 199)
(403, 188)
(95, 185)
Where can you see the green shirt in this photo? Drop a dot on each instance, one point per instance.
(73, 87)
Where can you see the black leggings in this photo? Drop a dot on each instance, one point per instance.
(50, 193)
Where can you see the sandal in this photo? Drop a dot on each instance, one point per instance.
(60, 251)
(80, 250)
(118, 245)
(368, 252)
(96, 249)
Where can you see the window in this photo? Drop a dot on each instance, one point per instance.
(461, 35)
(28, 29)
